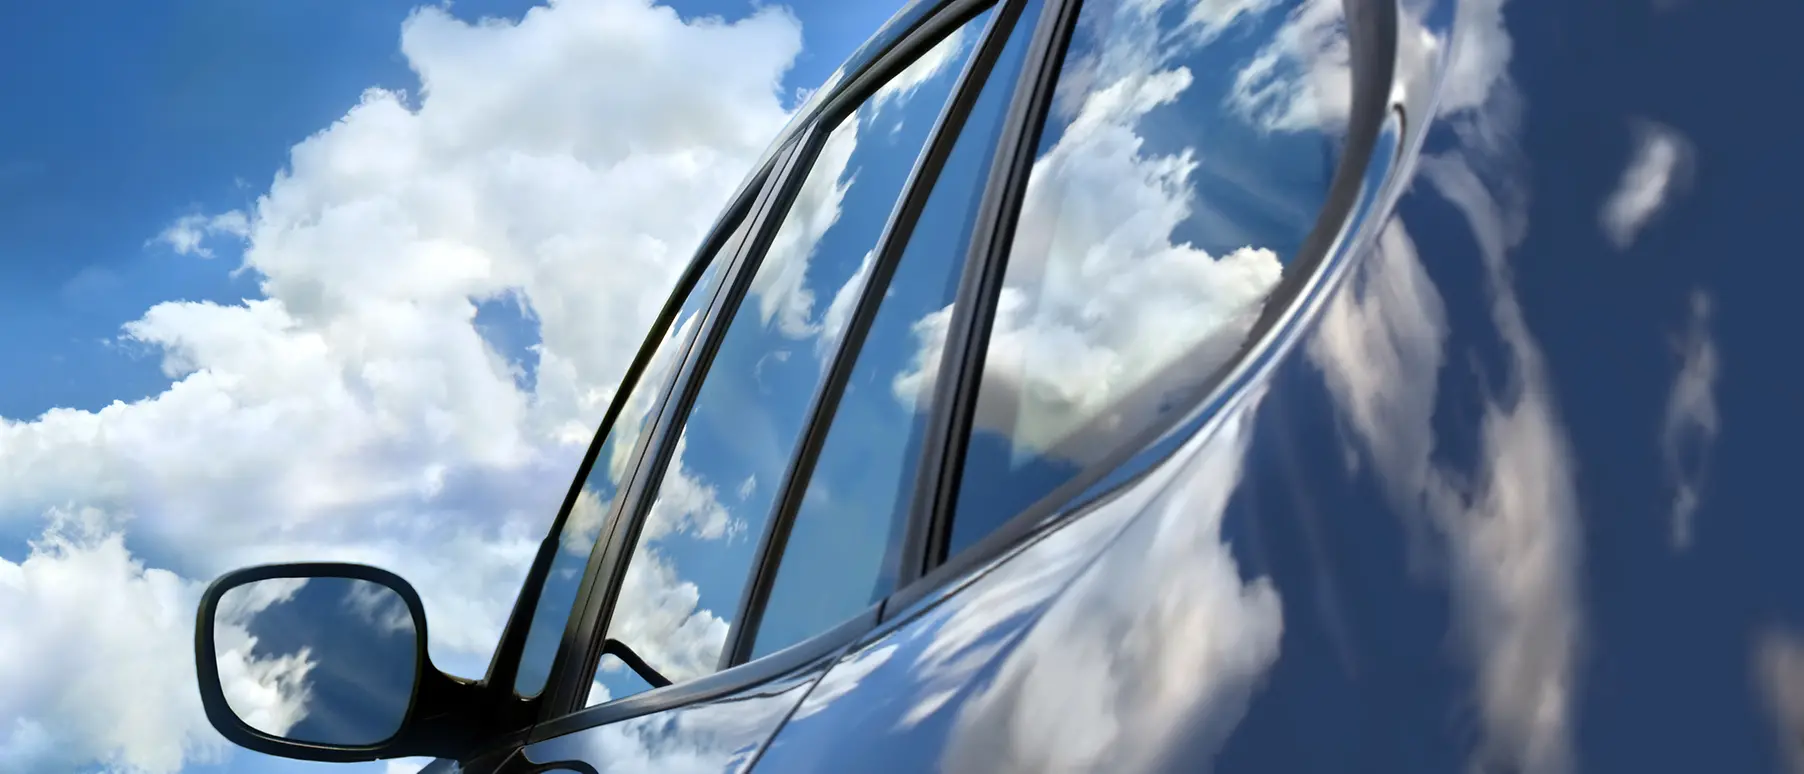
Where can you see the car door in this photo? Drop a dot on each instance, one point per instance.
(669, 658)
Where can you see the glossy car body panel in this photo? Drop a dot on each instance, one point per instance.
(1503, 492)
(1479, 516)
(717, 735)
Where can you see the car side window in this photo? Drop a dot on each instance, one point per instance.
(1165, 196)
(701, 532)
(582, 527)
(842, 550)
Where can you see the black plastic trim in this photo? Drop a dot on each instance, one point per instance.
(891, 244)
(602, 577)
(827, 645)
(580, 650)
(968, 332)
(620, 650)
(438, 708)
(1372, 30)
(505, 663)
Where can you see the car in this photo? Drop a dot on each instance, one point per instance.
(1146, 386)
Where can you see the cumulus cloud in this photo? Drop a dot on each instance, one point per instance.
(79, 619)
(1688, 429)
(572, 160)
(1102, 312)
(1660, 166)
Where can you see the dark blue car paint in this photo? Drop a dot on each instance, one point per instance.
(1507, 494)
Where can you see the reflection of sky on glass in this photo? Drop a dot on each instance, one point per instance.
(835, 564)
(1112, 314)
(754, 399)
(583, 525)
(362, 642)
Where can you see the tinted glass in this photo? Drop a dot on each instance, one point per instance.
(583, 527)
(330, 661)
(841, 554)
(1166, 193)
(688, 570)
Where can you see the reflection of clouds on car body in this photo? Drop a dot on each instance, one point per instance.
(966, 633)
(703, 738)
(1690, 425)
(1113, 678)
(1661, 167)
(1510, 526)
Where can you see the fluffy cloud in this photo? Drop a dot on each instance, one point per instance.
(98, 663)
(570, 161)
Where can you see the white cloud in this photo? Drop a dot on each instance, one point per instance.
(80, 620)
(1101, 313)
(571, 160)
(1661, 164)
(1688, 429)
(188, 234)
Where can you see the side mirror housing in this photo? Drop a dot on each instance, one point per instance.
(326, 662)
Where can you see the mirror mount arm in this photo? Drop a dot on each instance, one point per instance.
(620, 650)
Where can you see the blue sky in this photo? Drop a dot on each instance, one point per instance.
(155, 112)
(191, 109)
(146, 116)
(355, 413)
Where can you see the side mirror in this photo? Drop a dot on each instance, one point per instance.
(323, 662)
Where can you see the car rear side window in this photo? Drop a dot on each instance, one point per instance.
(848, 526)
(1165, 196)
(701, 534)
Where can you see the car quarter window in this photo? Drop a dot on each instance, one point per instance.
(1165, 198)
(700, 535)
(582, 527)
(842, 550)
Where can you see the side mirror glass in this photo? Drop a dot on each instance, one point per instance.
(319, 657)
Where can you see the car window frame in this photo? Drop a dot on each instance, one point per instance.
(573, 669)
(1371, 26)
(516, 712)
(898, 228)
(1372, 32)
